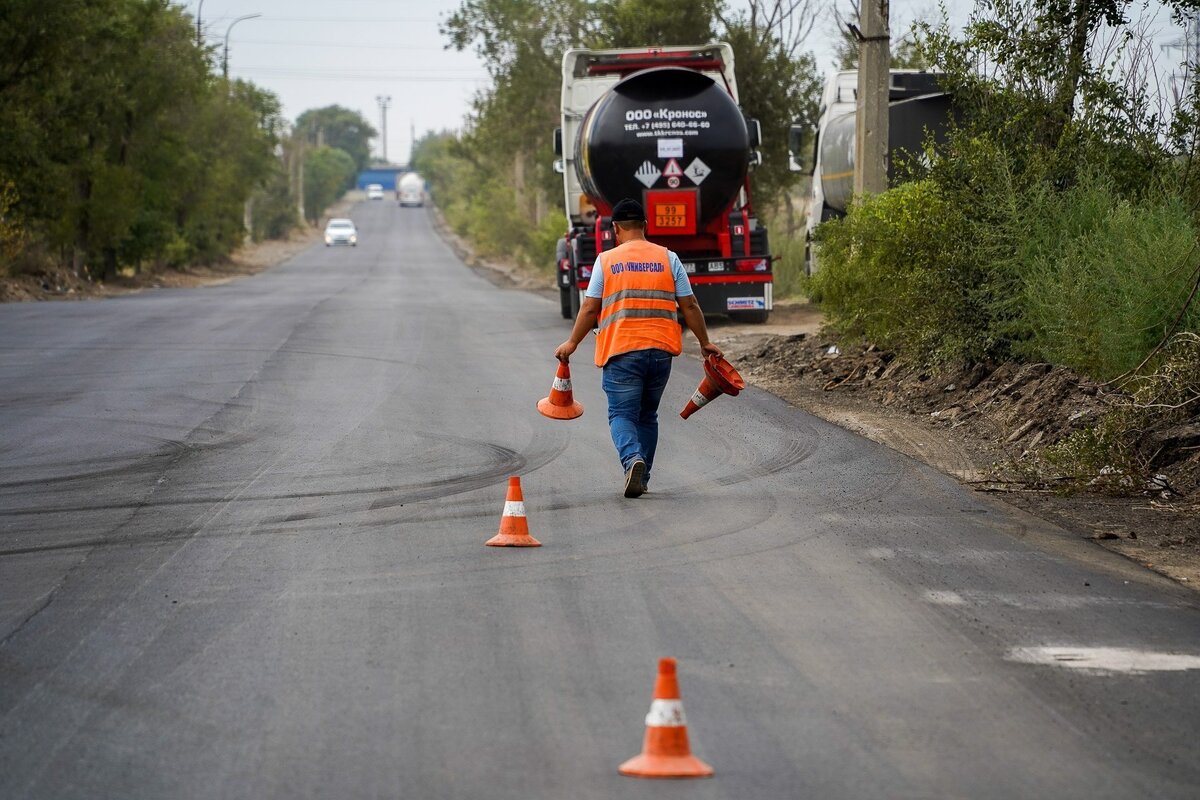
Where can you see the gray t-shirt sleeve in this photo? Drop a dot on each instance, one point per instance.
(683, 287)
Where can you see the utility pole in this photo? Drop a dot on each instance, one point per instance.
(871, 121)
(199, 31)
(384, 101)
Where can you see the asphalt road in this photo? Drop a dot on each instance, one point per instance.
(241, 555)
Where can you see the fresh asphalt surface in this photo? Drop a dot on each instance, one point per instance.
(241, 555)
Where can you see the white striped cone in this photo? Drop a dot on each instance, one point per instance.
(514, 528)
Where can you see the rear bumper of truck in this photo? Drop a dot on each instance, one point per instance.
(734, 293)
(723, 285)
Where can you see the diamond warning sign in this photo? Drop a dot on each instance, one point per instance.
(698, 171)
(672, 170)
(647, 173)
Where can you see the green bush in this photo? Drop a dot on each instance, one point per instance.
(896, 271)
(789, 278)
(539, 251)
(1101, 278)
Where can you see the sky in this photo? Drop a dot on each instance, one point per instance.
(314, 53)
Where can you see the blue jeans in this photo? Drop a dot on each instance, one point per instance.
(634, 383)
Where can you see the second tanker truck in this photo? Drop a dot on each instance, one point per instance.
(662, 125)
(918, 110)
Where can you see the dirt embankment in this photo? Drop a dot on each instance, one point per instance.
(988, 426)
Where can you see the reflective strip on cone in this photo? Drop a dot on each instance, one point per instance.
(699, 399)
(666, 714)
(562, 384)
(514, 508)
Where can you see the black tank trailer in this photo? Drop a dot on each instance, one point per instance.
(674, 138)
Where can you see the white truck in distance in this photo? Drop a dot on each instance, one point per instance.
(411, 190)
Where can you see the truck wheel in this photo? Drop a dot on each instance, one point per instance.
(749, 317)
(575, 301)
(564, 299)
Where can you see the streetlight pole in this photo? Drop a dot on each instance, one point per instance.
(225, 57)
(199, 16)
(384, 101)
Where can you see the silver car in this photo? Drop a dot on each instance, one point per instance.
(341, 231)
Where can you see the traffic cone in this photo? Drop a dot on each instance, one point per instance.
(665, 750)
(719, 378)
(561, 402)
(514, 530)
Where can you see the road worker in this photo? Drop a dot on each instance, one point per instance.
(635, 296)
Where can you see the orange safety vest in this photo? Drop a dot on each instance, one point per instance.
(638, 310)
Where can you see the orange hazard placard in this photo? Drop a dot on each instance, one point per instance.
(671, 212)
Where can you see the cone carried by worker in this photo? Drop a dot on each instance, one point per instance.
(719, 378)
(561, 403)
(665, 750)
(514, 528)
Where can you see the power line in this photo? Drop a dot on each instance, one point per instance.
(340, 44)
(284, 74)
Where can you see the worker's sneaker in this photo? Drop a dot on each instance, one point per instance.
(633, 478)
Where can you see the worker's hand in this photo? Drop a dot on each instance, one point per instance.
(711, 349)
(563, 353)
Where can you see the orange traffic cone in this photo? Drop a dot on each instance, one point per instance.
(514, 530)
(561, 402)
(665, 751)
(719, 378)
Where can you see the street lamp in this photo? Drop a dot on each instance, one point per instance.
(225, 57)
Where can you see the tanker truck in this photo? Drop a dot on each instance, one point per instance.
(410, 190)
(662, 125)
(917, 109)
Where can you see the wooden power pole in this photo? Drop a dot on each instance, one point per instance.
(871, 123)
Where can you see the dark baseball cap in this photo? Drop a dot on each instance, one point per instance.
(628, 210)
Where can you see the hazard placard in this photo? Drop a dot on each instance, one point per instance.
(698, 171)
(647, 173)
(673, 170)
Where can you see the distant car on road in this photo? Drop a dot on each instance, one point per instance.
(341, 231)
(374, 191)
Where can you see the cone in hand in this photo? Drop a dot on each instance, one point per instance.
(719, 378)
(561, 403)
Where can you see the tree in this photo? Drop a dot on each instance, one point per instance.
(634, 23)
(121, 144)
(338, 127)
(778, 84)
(328, 172)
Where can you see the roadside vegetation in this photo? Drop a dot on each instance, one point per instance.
(122, 149)
(1059, 224)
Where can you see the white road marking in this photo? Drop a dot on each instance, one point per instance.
(1105, 660)
(944, 598)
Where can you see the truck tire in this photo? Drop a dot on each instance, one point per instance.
(749, 317)
(564, 299)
